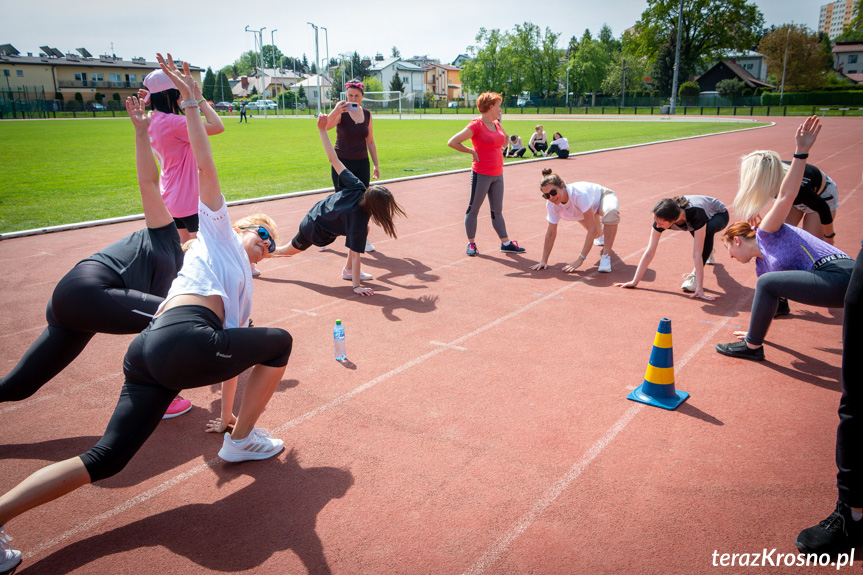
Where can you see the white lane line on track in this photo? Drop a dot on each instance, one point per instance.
(551, 494)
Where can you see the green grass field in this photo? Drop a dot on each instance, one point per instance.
(59, 172)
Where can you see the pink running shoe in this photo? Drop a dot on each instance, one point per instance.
(178, 407)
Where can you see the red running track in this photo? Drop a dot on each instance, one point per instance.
(481, 423)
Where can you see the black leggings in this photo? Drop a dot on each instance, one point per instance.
(90, 299)
(714, 225)
(561, 153)
(360, 168)
(849, 457)
(184, 348)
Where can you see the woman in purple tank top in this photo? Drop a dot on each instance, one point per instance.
(790, 262)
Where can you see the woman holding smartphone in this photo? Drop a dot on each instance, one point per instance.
(355, 140)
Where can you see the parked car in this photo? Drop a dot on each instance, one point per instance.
(525, 103)
(263, 105)
(96, 107)
(452, 105)
(224, 106)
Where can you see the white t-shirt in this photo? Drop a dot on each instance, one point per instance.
(217, 264)
(561, 143)
(584, 197)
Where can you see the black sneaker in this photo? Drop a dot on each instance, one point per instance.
(834, 535)
(783, 308)
(741, 350)
(512, 248)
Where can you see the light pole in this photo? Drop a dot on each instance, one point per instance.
(784, 64)
(676, 58)
(318, 59)
(327, 40)
(273, 58)
(328, 76)
(623, 91)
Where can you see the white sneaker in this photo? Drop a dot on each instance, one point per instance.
(349, 275)
(258, 445)
(688, 283)
(369, 246)
(9, 558)
(600, 241)
(605, 263)
(710, 260)
(255, 271)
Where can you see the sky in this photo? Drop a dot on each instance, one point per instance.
(212, 33)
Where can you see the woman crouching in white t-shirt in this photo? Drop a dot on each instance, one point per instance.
(593, 206)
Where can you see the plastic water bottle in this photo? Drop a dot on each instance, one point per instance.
(339, 340)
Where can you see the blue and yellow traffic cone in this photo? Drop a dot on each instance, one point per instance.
(658, 387)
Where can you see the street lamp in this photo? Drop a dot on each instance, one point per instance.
(327, 39)
(318, 59)
(676, 58)
(273, 59)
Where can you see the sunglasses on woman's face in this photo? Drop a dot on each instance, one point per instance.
(263, 234)
(552, 192)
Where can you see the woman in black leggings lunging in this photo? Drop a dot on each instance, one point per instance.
(116, 290)
(195, 340)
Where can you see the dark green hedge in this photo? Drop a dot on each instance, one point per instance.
(843, 98)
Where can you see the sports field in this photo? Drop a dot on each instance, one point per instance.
(65, 171)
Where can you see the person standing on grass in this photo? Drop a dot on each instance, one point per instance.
(243, 113)
(116, 290)
(355, 139)
(538, 142)
(487, 137)
(593, 206)
(345, 213)
(702, 217)
(195, 340)
(790, 262)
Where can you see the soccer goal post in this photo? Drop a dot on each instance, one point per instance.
(385, 101)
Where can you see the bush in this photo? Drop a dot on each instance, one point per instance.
(688, 92)
(820, 98)
(58, 95)
(79, 97)
(730, 87)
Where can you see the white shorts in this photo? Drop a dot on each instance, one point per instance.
(609, 208)
(830, 195)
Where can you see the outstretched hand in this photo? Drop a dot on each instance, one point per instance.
(807, 133)
(628, 285)
(137, 110)
(183, 80)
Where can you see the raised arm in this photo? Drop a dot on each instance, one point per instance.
(208, 179)
(334, 160)
(156, 215)
(213, 124)
(805, 137)
(335, 114)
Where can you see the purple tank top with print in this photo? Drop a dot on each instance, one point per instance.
(790, 248)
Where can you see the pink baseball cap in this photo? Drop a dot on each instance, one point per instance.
(155, 82)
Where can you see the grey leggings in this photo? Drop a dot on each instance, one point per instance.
(824, 287)
(480, 187)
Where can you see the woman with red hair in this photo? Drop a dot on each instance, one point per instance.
(488, 138)
(790, 262)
